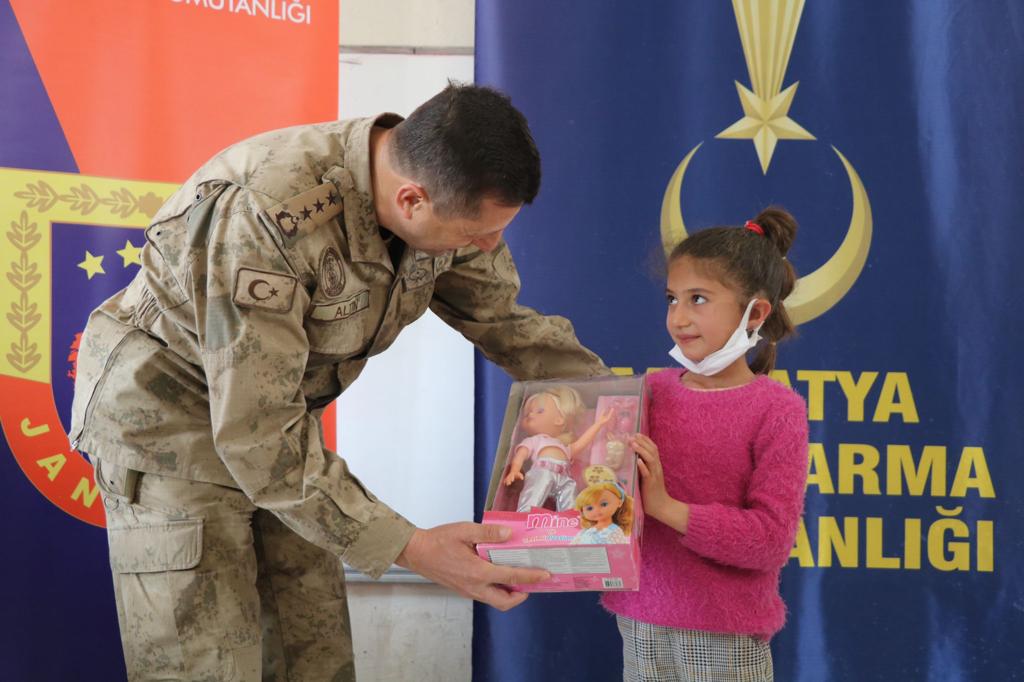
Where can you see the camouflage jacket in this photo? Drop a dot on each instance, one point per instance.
(265, 286)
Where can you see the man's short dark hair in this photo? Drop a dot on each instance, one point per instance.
(466, 143)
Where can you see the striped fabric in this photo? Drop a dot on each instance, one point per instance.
(655, 653)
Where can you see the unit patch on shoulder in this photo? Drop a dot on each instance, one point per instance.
(271, 291)
(332, 273)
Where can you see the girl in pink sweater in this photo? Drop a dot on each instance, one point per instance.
(724, 469)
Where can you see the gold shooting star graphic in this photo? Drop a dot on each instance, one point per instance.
(768, 31)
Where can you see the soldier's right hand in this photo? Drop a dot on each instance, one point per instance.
(447, 556)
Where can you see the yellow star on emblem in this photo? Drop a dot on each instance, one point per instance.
(130, 254)
(92, 265)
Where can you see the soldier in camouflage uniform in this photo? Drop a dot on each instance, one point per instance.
(268, 279)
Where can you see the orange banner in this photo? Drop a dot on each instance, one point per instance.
(108, 105)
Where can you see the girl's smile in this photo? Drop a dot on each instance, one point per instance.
(686, 338)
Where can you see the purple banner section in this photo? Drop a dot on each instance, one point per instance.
(30, 134)
(79, 250)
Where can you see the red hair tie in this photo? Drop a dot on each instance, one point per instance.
(754, 227)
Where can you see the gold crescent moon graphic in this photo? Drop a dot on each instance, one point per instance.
(815, 293)
(252, 289)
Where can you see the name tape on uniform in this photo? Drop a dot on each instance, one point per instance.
(339, 310)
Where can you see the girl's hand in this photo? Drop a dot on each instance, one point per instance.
(652, 476)
(605, 417)
(513, 476)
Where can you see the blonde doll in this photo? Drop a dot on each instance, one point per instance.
(548, 417)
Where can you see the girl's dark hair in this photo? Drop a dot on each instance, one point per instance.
(756, 265)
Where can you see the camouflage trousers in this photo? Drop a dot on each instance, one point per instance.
(209, 587)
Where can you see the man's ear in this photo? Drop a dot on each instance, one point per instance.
(410, 198)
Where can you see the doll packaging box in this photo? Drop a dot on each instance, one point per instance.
(565, 481)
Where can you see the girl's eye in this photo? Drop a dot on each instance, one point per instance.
(589, 507)
(604, 504)
(672, 300)
(698, 299)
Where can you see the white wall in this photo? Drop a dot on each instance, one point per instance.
(404, 24)
(406, 426)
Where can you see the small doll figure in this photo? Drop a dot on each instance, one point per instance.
(618, 433)
(548, 417)
(598, 473)
(606, 514)
(615, 452)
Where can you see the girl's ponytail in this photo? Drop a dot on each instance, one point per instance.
(779, 230)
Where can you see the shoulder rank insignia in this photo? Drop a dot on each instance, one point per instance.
(307, 211)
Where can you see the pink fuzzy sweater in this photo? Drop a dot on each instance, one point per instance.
(738, 457)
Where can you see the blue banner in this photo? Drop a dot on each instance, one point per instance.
(892, 132)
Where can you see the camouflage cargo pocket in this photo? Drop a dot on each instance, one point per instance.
(171, 546)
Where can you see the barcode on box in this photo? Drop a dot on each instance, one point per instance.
(611, 583)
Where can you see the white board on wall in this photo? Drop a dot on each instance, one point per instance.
(405, 427)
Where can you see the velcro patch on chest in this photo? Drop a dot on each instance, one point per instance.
(443, 263)
(332, 272)
(416, 278)
(271, 291)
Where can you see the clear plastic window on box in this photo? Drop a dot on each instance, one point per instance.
(565, 480)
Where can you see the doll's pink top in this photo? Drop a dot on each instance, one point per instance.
(537, 443)
(738, 457)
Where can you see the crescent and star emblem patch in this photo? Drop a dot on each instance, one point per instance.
(272, 291)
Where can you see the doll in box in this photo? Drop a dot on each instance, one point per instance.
(606, 514)
(548, 417)
(619, 431)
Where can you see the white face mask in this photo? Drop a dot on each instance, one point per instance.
(736, 347)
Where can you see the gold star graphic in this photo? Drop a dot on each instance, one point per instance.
(765, 121)
(767, 30)
(92, 265)
(130, 254)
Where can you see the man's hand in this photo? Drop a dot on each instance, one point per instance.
(447, 555)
